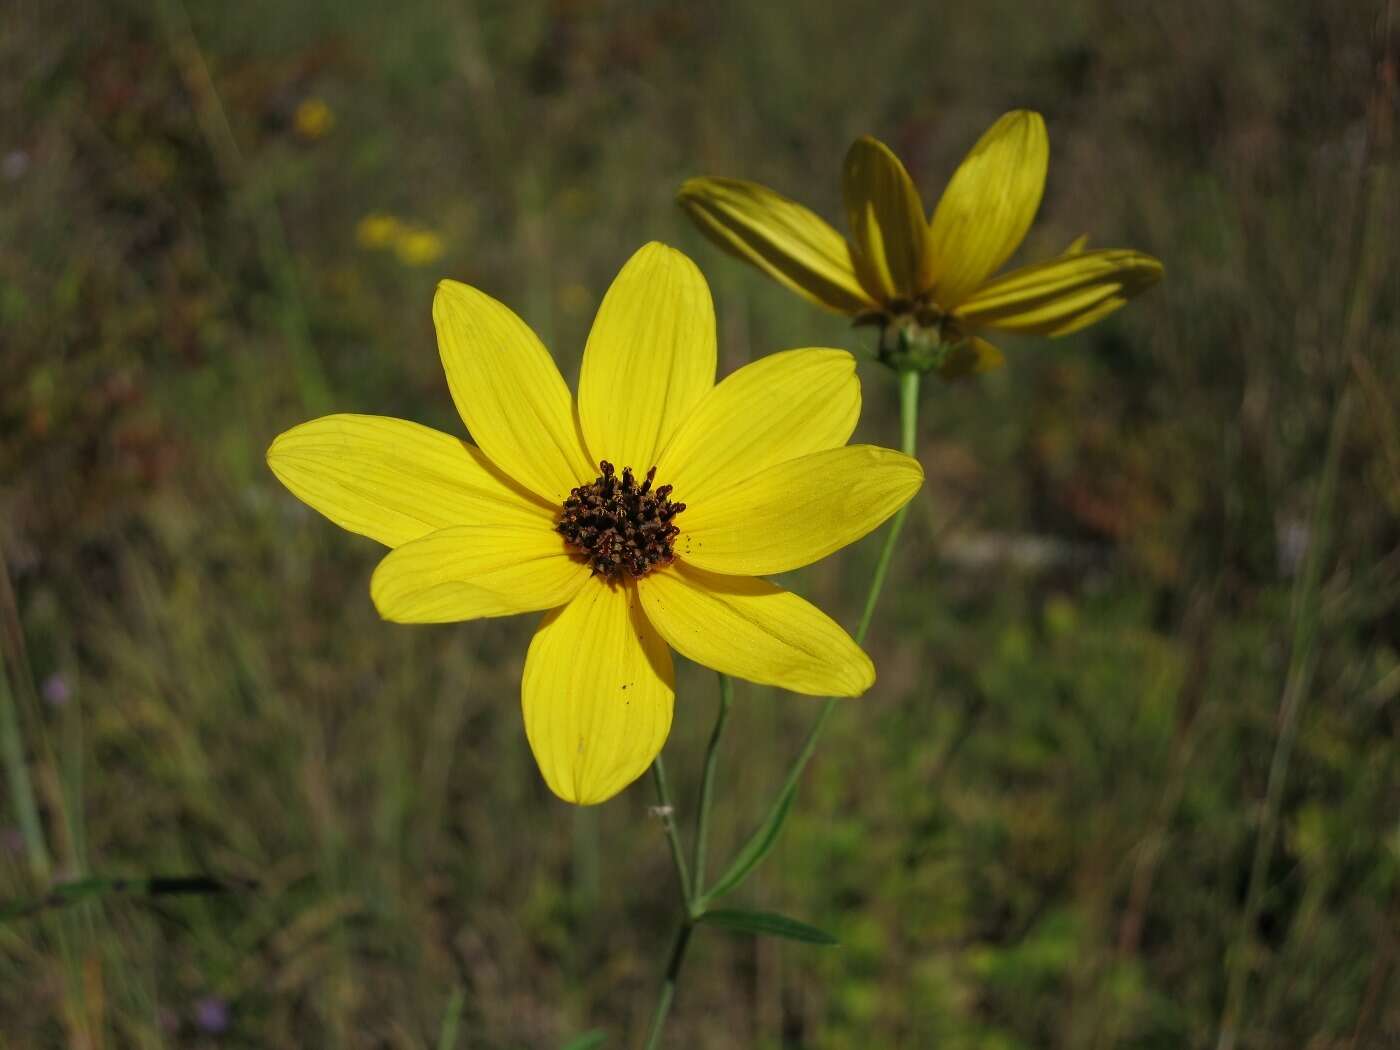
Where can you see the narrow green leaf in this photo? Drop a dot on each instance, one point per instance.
(767, 924)
(760, 844)
(588, 1041)
(66, 893)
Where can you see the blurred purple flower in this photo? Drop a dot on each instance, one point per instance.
(55, 689)
(15, 164)
(1292, 538)
(211, 1014)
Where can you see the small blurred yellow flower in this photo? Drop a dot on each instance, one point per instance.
(416, 247)
(377, 230)
(313, 119)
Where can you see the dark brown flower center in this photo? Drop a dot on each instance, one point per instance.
(620, 526)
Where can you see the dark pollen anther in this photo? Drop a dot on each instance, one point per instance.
(620, 526)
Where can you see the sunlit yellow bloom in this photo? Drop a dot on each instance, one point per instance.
(639, 515)
(377, 230)
(416, 247)
(313, 119)
(898, 266)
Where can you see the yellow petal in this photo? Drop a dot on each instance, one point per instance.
(509, 392)
(1087, 317)
(1061, 295)
(782, 238)
(988, 206)
(797, 512)
(650, 357)
(772, 410)
(597, 694)
(889, 231)
(754, 630)
(393, 480)
(470, 571)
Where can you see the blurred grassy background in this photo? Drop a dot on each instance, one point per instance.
(1131, 586)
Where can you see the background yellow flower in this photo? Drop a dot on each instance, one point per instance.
(901, 267)
(417, 247)
(313, 118)
(378, 230)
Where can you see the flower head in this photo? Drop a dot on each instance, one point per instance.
(909, 273)
(56, 690)
(378, 230)
(211, 1014)
(639, 517)
(313, 118)
(417, 247)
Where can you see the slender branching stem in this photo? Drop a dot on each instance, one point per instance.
(666, 809)
(909, 425)
(707, 783)
(908, 429)
(668, 984)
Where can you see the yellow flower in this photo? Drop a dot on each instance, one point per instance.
(313, 118)
(640, 515)
(377, 230)
(899, 267)
(416, 247)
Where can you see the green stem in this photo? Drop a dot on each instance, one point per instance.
(667, 810)
(908, 432)
(668, 985)
(908, 444)
(1359, 310)
(707, 782)
(1302, 664)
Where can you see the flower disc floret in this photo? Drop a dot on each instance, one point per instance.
(620, 527)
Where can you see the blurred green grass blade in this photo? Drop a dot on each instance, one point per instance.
(17, 776)
(590, 1040)
(1302, 666)
(760, 844)
(768, 924)
(452, 1019)
(63, 895)
(68, 893)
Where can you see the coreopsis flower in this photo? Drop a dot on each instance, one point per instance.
(932, 277)
(639, 517)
